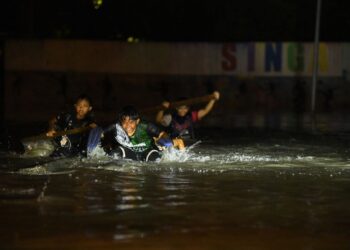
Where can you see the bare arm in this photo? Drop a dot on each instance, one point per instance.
(177, 142)
(209, 106)
(93, 125)
(160, 114)
(52, 130)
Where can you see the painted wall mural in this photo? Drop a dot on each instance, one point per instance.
(240, 59)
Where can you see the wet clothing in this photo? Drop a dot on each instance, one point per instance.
(139, 146)
(151, 154)
(76, 143)
(182, 126)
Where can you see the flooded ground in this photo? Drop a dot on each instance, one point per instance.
(236, 191)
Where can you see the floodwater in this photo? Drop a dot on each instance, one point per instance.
(242, 191)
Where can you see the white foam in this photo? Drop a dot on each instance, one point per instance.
(98, 152)
(174, 155)
(41, 148)
(208, 158)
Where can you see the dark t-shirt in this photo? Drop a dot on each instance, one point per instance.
(67, 121)
(182, 126)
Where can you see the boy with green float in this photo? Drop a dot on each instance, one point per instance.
(135, 139)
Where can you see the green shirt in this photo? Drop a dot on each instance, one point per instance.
(143, 137)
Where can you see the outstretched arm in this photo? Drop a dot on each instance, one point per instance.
(209, 106)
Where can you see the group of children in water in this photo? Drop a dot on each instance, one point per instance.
(130, 137)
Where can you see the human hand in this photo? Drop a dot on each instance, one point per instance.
(166, 104)
(156, 139)
(64, 141)
(178, 143)
(51, 133)
(216, 95)
(93, 125)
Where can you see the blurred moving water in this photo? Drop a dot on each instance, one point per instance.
(240, 191)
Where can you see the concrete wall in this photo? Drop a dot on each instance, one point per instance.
(271, 90)
(285, 59)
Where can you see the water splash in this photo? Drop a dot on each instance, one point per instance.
(97, 152)
(174, 155)
(207, 157)
(41, 148)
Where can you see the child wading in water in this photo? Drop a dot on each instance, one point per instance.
(135, 139)
(179, 124)
(81, 116)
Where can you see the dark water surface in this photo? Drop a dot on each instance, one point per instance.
(242, 192)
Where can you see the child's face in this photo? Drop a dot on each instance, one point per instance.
(182, 110)
(82, 107)
(129, 125)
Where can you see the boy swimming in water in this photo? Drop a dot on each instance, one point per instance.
(180, 123)
(80, 117)
(136, 139)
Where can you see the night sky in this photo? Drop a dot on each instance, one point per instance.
(175, 20)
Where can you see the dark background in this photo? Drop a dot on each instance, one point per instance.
(174, 20)
(170, 21)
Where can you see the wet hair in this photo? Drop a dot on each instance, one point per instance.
(83, 97)
(128, 111)
(180, 99)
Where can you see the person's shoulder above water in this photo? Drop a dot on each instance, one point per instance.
(164, 116)
(180, 121)
(80, 116)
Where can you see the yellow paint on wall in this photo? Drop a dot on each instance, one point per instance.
(323, 58)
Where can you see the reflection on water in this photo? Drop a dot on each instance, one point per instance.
(273, 194)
